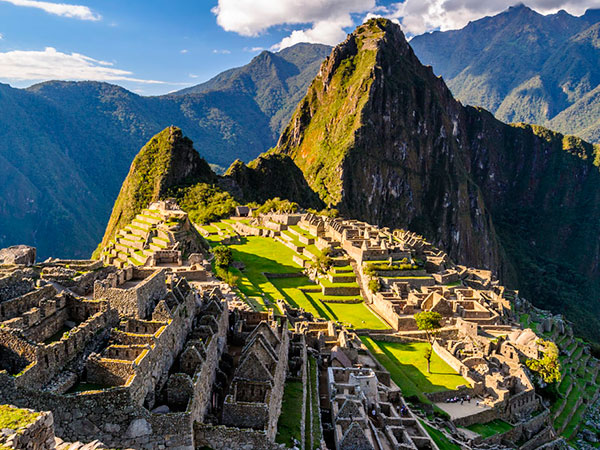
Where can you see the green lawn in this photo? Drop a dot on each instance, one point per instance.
(261, 254)
(288, 427)
(439, 438)
(409, 389)
(305, 233)
(292, 238)
(15, 418)
(356, 315)
(410, 358)
(491, 428)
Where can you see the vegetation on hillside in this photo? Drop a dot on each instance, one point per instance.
(205, 202)
(166, 162)
(523, 67)
(330, 117)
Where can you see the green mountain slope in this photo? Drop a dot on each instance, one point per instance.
(166, 162)
(381, 138)
(522, 66)
(65, 147)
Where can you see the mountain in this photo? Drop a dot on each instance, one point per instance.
(65, 147)
(167, 161)
(275, 81)
(380, 137)
(524, 66)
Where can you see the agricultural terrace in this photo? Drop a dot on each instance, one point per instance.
(260, 255)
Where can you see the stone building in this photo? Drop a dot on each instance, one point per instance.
(109, 366)
(368, 414)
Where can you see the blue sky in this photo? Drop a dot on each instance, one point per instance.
(157, 46)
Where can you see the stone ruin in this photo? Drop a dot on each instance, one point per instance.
(155, 353)
(368, 414)
(161, 235)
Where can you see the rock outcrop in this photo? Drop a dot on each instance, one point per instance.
(18, 254)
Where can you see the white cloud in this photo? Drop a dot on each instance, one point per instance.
(1, 36)
(324, 20)
(184, 51)
(419, 16)
(221, 52)
(59, 9)
(193, 75)
(51, 64)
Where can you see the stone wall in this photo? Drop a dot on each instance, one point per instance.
(481, 417)
(18, 305)
(14, 285)
(225, 438)
(205, 377)
(137, 301)
(38, 435)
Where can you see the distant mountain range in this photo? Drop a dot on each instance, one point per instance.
(524, 67)
(65, 147)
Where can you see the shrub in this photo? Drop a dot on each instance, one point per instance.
(374, 285)
(205, 203)
(548, 366)
(322, 263)
(276, 205)
(372, 268)
(223, 256)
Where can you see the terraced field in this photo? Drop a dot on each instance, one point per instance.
(262, 255)
(580, 385)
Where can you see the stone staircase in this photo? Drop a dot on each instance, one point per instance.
(135, 243)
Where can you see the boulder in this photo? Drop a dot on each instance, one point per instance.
(137, 428)
(18, 254)
(589, 435)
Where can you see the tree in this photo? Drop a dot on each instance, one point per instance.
(223, 256)
(428, 321)
(548, 366)
(374, 285)
(230, 278)
(322, 263)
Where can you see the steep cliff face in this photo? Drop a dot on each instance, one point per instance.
(166, 162)
(381, 138)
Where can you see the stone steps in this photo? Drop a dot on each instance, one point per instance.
(149, 219)
(131, 241)
(140, 223)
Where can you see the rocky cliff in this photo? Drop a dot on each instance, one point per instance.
(381, 138)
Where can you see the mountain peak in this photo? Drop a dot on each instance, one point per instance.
(167, 161)
(331, 117)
